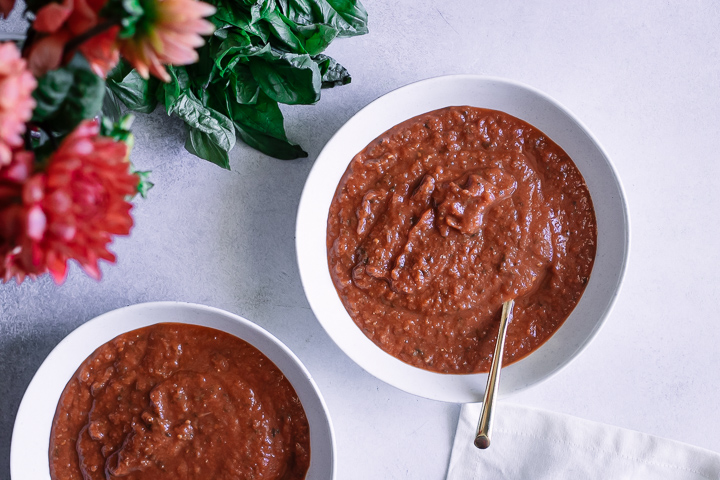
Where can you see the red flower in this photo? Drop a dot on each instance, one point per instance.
(16, 102)
(70, 211)
(168, 34)
(101, 51)
(6, 7)
(58, 23)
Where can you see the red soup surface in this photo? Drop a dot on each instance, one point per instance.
(444, 217)
(177, 401)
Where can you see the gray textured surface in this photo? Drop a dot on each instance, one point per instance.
(643, 77)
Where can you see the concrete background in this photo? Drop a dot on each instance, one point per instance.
(643, 76)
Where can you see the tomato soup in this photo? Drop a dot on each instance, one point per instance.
(177, 401)
(444, 217)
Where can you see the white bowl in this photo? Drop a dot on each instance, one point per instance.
(527, 104)
(31, 434)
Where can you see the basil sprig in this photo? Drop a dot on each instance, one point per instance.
(264, 52)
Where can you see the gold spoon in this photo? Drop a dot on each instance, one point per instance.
(484, 429)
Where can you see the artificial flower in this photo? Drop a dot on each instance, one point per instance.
(16, 102)
(168, 35)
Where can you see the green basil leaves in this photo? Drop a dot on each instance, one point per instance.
(264, 52)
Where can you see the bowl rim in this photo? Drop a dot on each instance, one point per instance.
(56, 355)
(604, 314)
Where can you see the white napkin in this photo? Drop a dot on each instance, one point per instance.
(534, 444)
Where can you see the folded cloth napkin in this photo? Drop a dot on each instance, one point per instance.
(534, 444)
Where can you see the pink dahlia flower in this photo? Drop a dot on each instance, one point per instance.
(16, 102)
(70, 211)
(86, 186)
(171, 38)
(20, 219)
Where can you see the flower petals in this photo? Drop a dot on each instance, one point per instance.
(36, 223)
(16, 102)
(55, 24)
(69, 212)
(46, 54)
(171, 40)
(6, 7)
(50, 18)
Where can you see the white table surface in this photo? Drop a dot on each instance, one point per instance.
(643, 76)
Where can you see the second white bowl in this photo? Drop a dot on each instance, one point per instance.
(527, 104)
(31, 435)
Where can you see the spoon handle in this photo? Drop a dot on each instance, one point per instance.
(484, 429)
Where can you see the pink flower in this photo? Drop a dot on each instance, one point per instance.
(171, 39)
(20, 219)
(16, 102)
(84, 200)
(69, 212)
